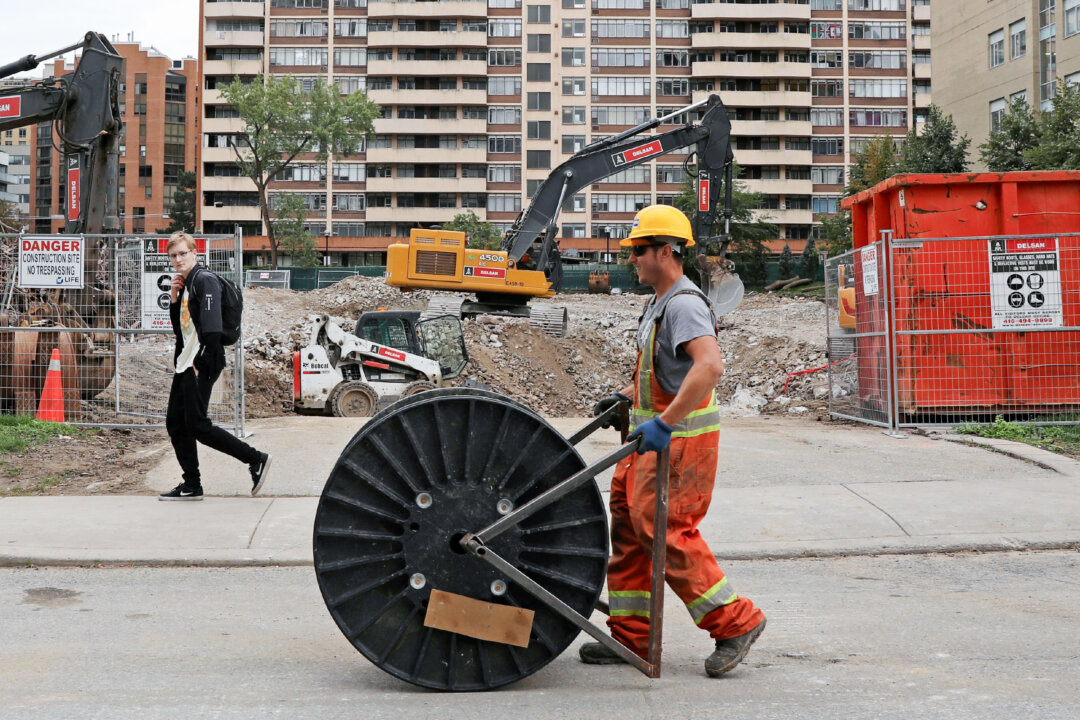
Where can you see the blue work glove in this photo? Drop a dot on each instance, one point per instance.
(607, 403)
(656, 435)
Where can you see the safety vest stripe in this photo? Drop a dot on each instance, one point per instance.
(718, 595)
(696, 423)
(629, 602)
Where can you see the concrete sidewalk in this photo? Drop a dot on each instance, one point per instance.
(785, 488)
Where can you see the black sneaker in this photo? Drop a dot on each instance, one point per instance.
(183, 491)
(596, 653)
(730, 652)
(258, 472)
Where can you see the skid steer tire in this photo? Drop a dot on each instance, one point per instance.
(354, 399)
(417, 387)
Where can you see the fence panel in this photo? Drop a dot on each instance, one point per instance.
(857, 336)
(113, 334)
(987, 326)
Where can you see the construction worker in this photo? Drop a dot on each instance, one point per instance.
(673, 402)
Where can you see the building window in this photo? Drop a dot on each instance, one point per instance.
(1018, 38)
(869, 5)
(538, 101)
(825, 175)
(997, 48)
(538, 72)
(539, 13)
(827, 145)
(573, 86)
(1072, 17)
(827, 204)
(538, 159)
(538, 43)
(510, 144)
(538, 130)
(997, 113)
(504, 174)
(827, 88)
(573, 28)
(573, 57)
(503, 202)
(572, 144)
(504, 115)
(573, 115)
(827, 58)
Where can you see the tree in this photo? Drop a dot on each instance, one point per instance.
(1058, 133)
(479, 234)
(786, 266)
(808, 261)
(871, 165)
(281, 121)
(182, 212)
(835, 233)
(1007, 145)
(9, 218)
(936, 148)
(748, 234)
(292, 233)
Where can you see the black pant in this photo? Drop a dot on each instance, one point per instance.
(188, 423)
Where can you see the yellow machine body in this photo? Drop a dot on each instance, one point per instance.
(439, 260)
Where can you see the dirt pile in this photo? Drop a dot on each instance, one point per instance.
(766, 338)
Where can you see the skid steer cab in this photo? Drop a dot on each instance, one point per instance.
(390, 355)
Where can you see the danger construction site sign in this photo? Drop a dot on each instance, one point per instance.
(51, 261)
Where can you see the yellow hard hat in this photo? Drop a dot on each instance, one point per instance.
(659, 223)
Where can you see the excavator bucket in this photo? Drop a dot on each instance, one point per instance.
(720, 283)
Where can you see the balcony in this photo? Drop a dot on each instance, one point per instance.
(231, 213)
(441, 9)
(227, 184)
(417, 214)
(421, 68)
(233, 38)
(773, 157)
(761, 98)
(750, 11)
(217, 154)
(920, 13)
(750, 41)
(229, 68)
(222, 125)
(779, 187)
(212, 97)
(785, 217)
(427, 155)
(780, 128)
(427, 184)
(408, 126)
(234, 9)
(409, 39)
(920, 42)
(921, 71)
(753, 70)
(922, 100)
(428, 97)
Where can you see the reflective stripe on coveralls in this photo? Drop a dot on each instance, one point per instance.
(636, 602)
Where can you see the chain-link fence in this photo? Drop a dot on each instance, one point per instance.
(102, 303)
(973, 329)
(858, 341)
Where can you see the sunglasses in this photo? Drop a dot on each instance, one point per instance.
(639, 250)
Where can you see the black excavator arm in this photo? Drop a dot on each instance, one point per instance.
(712, 137)
(84, 107)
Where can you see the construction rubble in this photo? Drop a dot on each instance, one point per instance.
(764, 341)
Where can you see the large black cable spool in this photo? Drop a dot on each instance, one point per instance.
(417, 476)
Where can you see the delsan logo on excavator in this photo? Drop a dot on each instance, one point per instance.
(10, 106)
(641, 151)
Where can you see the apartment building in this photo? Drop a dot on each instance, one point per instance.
(481, 99)
(1001, 51)
(157, 103)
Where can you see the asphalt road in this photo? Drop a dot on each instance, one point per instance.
(966, 636)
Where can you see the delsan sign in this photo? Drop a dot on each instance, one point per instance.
(51, 261)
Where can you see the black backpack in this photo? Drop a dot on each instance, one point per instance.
(232, 308)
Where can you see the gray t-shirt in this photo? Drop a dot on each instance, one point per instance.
(686, 317)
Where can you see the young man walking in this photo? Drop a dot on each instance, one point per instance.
(199, 358)
(673, 403)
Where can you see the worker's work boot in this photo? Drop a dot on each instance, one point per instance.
(595, 653)
(731, 651)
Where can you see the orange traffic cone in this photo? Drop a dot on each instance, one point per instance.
(51, 407)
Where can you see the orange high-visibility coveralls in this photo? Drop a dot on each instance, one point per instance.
(692, 571)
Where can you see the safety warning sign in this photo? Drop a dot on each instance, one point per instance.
(1025, 283)
(157, 275)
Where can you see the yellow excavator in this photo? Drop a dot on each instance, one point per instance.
(527, 265)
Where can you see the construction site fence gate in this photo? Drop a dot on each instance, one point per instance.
(111, 329)
(947, 331)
